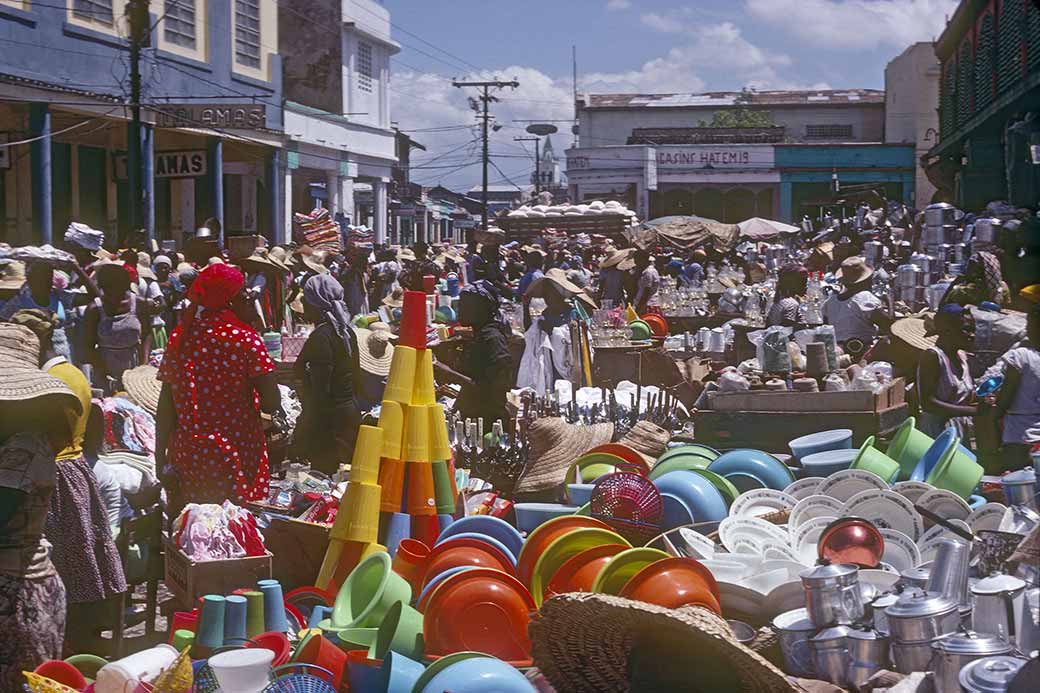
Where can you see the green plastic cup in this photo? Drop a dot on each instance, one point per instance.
(401, 631)
(182, 638)
(908, 446)
(873, 460)
(356, 638)
(957, 472)
(254, 613)
(369, 592)
(442, 489)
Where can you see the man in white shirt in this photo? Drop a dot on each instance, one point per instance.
(854, 312)
(649, 281)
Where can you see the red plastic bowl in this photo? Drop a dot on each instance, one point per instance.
(580, 570)
(62, 672)
(275, 642)
(674, 582)
(545, 534)
(624, 452)
(658, 325)
(466, 551)
(480, 610)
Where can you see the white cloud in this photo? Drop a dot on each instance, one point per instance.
(615, 5)
(855, 24)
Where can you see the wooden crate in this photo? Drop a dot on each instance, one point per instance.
(302, 546)
(188, 579)
(794, 402)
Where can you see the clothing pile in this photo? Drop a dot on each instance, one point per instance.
(84, 236)
(360, 236)
(127, 427)
(211, 532)
(318, 230)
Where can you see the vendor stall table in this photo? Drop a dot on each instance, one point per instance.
(677, 324)
(612, 364)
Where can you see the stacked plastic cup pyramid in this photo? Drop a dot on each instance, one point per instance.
(401, 480)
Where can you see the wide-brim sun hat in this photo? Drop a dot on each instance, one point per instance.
(375, 352)
(21, 379)
(12, 275)
(554, 445)
(648, 439)
(854, 270)
(143, 386)
(913, 331)
(261, 261)
(587, 643)
(395, 299)
(556, 280)
(617, 257)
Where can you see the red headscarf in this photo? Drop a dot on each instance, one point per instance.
(213, 290)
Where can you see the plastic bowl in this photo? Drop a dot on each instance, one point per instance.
(564, 547)
(580, 494)
(675, 582)
(370, 589)
(578, 573)
(494, 527)
(674, 512)
(529, 516)
(275, 642)
(432, 583)
(725, 486)
(400, 673)
(826, 463)
(539, 539)
(624, 452)
(483, 538)
(592, 465)
(942, 445)
(482, 608)
(63, 672)
(873, 460)
(477, 675)
(908, 446)
(695, 448)
(687, 462)
(464, 551)
(242, 669)
(697, 492)
(87, 664)
(824, 441)
(623, 567)
(745, 464)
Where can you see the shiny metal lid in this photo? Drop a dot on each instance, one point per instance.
(972, 643)
(831, 636)
(794, 620)
(917, 602)
(867, 635)
(997, 584)
(830, 575)
(990, 674)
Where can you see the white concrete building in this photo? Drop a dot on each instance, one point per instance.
(912, 108)
(337, 111)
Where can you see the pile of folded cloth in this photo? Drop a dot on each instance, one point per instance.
(318, 230)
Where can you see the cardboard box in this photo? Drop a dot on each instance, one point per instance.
(188, 579)
(791, 402)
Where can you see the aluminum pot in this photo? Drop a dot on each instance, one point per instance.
(877, 609)
(908, 657)
(832, 595)
(908, 276)
(1020, 488)
(939, 214)
(919, 616)
(868, 653)
(950, 654)
(914, 577)
(987, 230)
(990, 674)
(830, 653)
(794, 629)
(997, 606)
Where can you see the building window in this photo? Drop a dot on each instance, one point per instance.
(179, 22)
(965, 83)
(247, 33)
(948, 104)
(93, 10)
(1010, 55)
(828, 132)
(985, 50)
(364, 66)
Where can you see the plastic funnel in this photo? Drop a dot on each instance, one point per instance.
(400, 382)
(274, 606)
(364, 467)
(423, 394)
(358, 516)
(417, 435)
(391, 420)
(235, 610)
(401, 631)
(254, 613)
(391, 481)
(393, 528)
(410, 562)
(368, 593)
(420, 489)
(356, 638)
(442, 488)
(426, 528)
(413, 320)
(873, 460)
(209, 631)
(440, 446)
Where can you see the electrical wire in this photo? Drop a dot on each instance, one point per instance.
(4, 145)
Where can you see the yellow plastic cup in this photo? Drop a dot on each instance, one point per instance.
(391, 420)
(440, 447)
(417, 434)
(364, 468)
(358, 516)
(401, 381)
(423, 392)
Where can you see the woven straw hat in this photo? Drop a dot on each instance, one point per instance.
(618, 257)
(854, 270)
(12, 275)
(20, 376)
(648, 439)
(395, 299)
(596, 642)
(375, 352)
(556, 280)
(555, 444)
(913, 331)
(143, 386)
(406, 255)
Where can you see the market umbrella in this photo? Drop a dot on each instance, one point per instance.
(759, 229)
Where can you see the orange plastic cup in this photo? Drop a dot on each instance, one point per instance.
(426, 529)
(391, 480)
(320, 651)
(364, 467)
(410, 562)
(440, 446)
(401, 381)
(417, 439)
(391, 420)
(423, 392)
(420, 493)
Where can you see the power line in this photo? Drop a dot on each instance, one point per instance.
(55, 134)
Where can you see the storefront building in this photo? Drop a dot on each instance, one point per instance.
(211, 119)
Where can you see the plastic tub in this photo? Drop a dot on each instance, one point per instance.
(824, 441)
(826, 463)
(243, 670)
(530, 515)
(908, 446)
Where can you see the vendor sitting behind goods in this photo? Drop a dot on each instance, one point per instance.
(854, 311)
(944, 384)
(790, 288)
(486, 369)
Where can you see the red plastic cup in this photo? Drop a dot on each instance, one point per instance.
(425, 529)
(410, 561)
(420, 493)
(319, 650)
(429, 283)
(183, 620)
(413, 320)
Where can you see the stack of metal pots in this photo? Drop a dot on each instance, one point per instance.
(910, 285)
(940, 227)
(987, 233)
(915, 621)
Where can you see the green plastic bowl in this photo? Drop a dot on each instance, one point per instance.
(957, 472)
(908, 446)
(369, 592)
(873, 460)
(690, 463)
(640, 330)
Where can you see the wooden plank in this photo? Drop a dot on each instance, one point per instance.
(848, 401)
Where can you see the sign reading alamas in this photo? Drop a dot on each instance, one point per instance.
(241, 117)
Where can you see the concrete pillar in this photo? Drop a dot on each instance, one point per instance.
(148, 180)
(275, 199)
(787, 202)
(380, 209)
(346, 198)
(333, 190)
(287, 205)
(216, 183)
(40, 154)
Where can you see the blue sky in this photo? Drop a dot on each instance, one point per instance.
(624, 46)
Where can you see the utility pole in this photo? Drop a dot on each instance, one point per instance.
(537, 161)
(486, 98)
(137, 16)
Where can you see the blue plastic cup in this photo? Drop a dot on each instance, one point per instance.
(400, 672)
(444, 520)
(394, 527)
(234, 619)
(209, 632)
(274, 606)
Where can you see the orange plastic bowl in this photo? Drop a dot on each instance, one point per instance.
(580, 570)
(545, 534)
(481, 610)
(466, 551)
(658, 325)
(624, 452)
(674, 582)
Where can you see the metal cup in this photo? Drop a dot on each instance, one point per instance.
(1020, 488)
(795, 629)
(949, 574)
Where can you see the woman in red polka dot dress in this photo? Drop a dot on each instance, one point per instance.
(216, 377)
